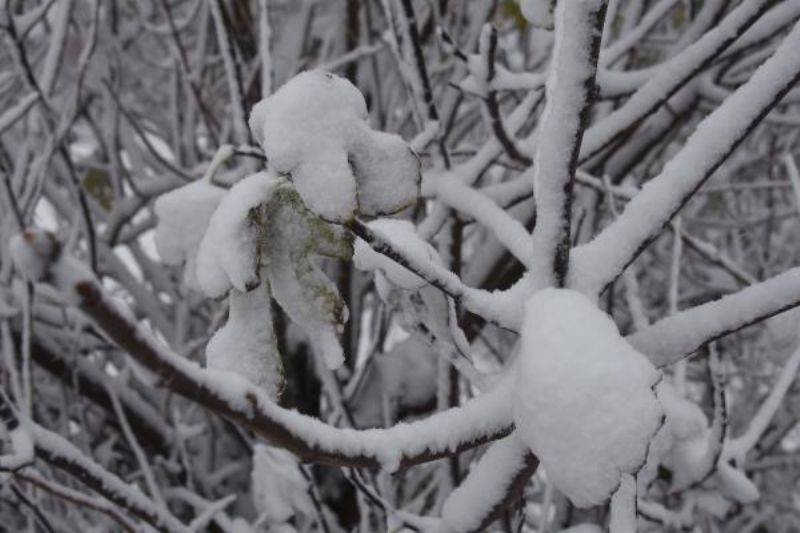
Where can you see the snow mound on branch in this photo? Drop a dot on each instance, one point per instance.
(685, 446)
(314, 130)
(734, 484)
(279, 489)
(247, 344)
(584, 399)
(681, 445)
(538, 12)
(228, 255)
(183, 216)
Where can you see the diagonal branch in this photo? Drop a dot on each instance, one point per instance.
(600, 261)
(672, 338)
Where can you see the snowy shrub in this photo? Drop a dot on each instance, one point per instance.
(399, 265)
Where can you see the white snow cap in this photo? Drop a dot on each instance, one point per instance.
(584, 399)
(538, 12)
(315, 130)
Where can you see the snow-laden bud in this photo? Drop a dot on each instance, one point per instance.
(314, 130)
(584, 399)
(34, 251)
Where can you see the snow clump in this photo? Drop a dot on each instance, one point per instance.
(314, 130)
(247, 344)
(584, 399)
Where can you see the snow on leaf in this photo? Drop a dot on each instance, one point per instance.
(314, 130)
(293, 238)
(584, 399)
(183, 216)
(247, 344)
(228, 255)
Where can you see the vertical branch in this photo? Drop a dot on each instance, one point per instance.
(265, 48)
(672, 298)
(234, 76)
(570, 94)
(419, 60)
(488, 44)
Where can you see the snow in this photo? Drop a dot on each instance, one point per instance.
(110, 486)
(11, 114)
(676, 336)
(38, 256)
(261, 232)
(682, 443)
(508, 230)
(487, 483)
(33, 252)
(761, 420)
(183, 216)
(279, 489)
(483, 416)
(734, 484)
(598, 262)
(538, 12)
(419, 307)
(623, 507)
(228, 255)
(293, 238)
(669, 77)
(247, 344)
(559, 135)
(402, 233)
(22, 448)
(583, 399)
(314, 130)
(405, 376)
